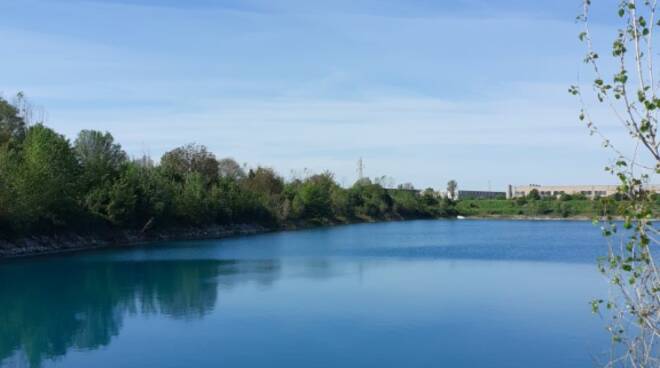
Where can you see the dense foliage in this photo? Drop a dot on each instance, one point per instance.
(49, 184)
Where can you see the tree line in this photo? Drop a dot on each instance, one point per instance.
(49, 184)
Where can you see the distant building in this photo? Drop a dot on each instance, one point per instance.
(589, 191)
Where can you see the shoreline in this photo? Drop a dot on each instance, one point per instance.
(529, 218)
(44, 245)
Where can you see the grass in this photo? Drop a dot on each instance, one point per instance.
(534, 208)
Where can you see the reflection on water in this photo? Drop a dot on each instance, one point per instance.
(420, 294)
(59, 305)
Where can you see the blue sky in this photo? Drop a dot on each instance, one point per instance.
(424, 91)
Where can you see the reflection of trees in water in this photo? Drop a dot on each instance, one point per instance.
(50, 307)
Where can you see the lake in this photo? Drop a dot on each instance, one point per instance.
(404, 294)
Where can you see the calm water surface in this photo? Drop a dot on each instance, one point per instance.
(410, 294)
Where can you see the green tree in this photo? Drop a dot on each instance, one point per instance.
(565, 197)
(45, 183)
(229, 168)
(155, 195)
(451, 189)
(264, 180)
(99, 156)
(407, 204)
(339, 200)
(116, 201)
(314, 197)
(122, 202)
(533, 195)
(12, 125)
(429, 198)
(191, 158)
(8, 169)
(267, 187)
(192, 202)
(370, 200)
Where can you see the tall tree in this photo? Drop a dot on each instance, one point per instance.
(264, 180)
(314, 197)
(191, 158)
(12, 125)
(99, 156)
(193, 206)
(229, 168)
(46, 181)
(451, 189)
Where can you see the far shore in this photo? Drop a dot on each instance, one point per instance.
(529, 218)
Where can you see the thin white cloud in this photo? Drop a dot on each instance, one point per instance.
(423, 99)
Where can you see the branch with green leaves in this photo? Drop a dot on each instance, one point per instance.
(630, 94)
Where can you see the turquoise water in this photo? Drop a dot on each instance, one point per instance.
(409, 294)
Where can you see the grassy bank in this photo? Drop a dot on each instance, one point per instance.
(552, 208)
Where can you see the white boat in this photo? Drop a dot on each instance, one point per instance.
(460, 217)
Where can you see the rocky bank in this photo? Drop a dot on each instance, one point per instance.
(37, 245)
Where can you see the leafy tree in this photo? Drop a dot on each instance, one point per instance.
(370, 200)
(314, 197)
(12, 125)
(267, 187)
(229, 168)
(45, 183)
(565, 197)
(533, 195)
(140, 197)
(579, 197)
(264, 180)
(122, 200)
(521, 201)
(629, 90)
(220, 202)
(8, 169)
(191, 201)
(251, 207)
(451, 189)
(154, 192)
(191, 158)
(99, 156)
(429, 198)
(407, 204)
(339, 201)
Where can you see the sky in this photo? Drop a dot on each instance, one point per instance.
(423, 91)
